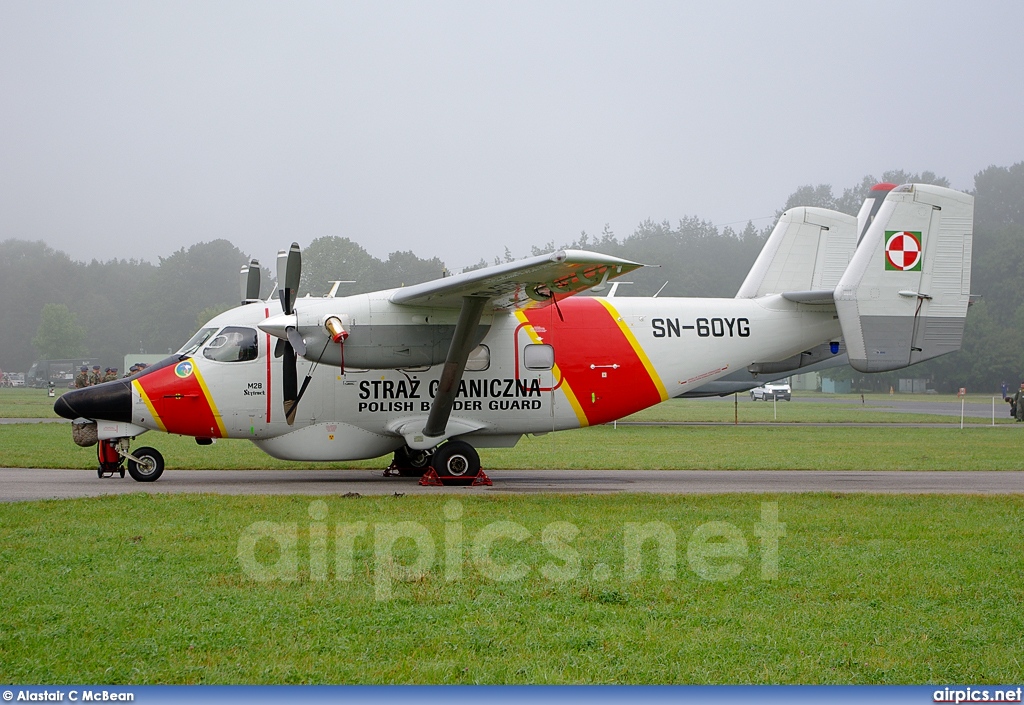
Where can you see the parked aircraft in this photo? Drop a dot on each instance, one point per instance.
(433, 371)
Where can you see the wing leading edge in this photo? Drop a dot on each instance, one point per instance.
(534, 280)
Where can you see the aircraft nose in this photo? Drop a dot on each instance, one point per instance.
(110, 401)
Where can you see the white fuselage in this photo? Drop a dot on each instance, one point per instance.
(612, 357)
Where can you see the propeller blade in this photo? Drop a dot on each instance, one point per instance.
(252, 281)
(289, 271)
(243, 282)
(298, 344)
(290, 415)
(290, 383)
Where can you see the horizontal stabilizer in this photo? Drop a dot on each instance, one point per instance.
(816, 296)
(904, 297)
(808, 250)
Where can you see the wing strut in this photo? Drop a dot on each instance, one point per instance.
(455, 365)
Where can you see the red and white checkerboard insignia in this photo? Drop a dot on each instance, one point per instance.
(903, 251)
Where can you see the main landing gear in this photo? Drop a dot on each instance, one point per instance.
(452, 462)
(144, 465)
(409, 463)
(456, 459)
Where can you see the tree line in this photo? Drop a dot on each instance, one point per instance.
(111, 308)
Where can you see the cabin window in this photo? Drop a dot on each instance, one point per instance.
(233, 344)
(539, 357)
(197, 341)
(479, 360)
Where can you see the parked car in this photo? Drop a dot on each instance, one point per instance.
(771, 391)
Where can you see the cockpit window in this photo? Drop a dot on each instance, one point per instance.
(233, 344)
(197, 341)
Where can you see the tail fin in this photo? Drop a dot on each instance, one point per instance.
(903, 299)
(808, 250)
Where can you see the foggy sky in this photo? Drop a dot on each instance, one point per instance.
(455, 129)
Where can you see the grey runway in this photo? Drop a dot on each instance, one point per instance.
(20, 484)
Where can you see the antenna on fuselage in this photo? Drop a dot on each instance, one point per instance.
(334, 289)
(660, 290)
(614, 288)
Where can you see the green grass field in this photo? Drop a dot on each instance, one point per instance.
(141, 589)
(26, 404)
(791, 447)
(869, 589)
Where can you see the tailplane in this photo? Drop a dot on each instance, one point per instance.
(809, 249)
(903, 298)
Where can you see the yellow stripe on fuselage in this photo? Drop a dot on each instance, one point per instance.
(637, 348)
(209, 400)
(149, 405)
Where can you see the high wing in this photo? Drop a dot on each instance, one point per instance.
(307, 327)
(534, 280)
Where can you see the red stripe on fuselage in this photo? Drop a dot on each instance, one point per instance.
(596, 359)
(180, 402)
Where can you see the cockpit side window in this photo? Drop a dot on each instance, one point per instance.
(233, 344)
(197, 341)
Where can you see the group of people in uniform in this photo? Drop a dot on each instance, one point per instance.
(87, 378)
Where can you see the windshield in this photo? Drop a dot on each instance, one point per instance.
(233, 344)
(197, 341)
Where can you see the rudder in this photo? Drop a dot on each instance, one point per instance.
(903, 298)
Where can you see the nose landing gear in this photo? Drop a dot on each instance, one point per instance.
(144, 465)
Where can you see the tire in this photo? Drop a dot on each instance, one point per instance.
(152, 467)
(456, 459)
(411, 463)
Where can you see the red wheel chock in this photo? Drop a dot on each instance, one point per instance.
(432, 479)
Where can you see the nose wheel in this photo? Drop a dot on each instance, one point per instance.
(144, 465)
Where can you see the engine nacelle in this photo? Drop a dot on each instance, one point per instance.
(380, 335)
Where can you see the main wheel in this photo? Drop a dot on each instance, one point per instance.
(456, 459)
(151, 467)
(411, 463)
